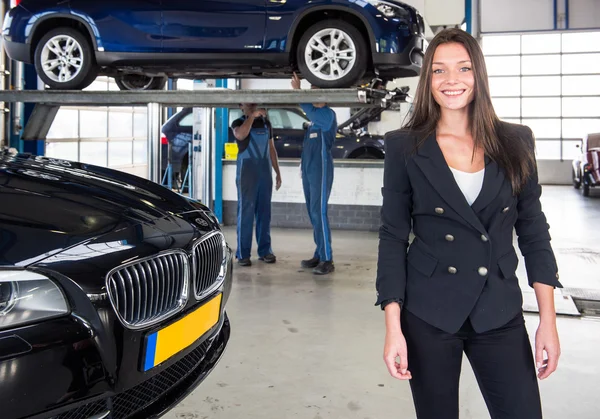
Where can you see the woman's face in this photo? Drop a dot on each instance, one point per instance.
(452, 80)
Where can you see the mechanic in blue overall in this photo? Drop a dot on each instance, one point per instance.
(317, 178)
(256, 159)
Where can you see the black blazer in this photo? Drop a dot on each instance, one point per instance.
(461, 263)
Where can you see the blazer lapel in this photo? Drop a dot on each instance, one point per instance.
(431, 161)
(492, 182)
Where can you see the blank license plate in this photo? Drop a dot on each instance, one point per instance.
(163, 344)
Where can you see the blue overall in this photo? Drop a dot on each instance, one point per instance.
(254, 182)
(317, 174)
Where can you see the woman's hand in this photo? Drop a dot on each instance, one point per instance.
(395, 347)
(546, 339)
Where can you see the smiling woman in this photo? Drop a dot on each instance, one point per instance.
(461, 180)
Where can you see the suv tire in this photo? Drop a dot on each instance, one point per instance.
(338, 66)
(56, 56)
(139, 82)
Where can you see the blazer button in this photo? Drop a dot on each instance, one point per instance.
(482, 271)
(439, 210)
(484, 238)
(452, 270)
(505, 210)
(450, 237)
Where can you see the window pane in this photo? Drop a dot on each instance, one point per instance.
(140, 125)
(187, 121)
(581, 42)
(538, 44)
(506, 44)
(541, 107)
(581, 106)
(503, 66)
(140, 152)
(547, 150)
(65, 151)
(544, 128)
(296, 121)
(581, 85)
(541, 64)
(93, 152)
(505, 86)
(512, 120)
(65, 124)
(120, 124)
(120, 153)
(93, 124)
(570, 151)
(580, 63)
(506, 108)
(579, 128)
(276, 118)
(541, 86)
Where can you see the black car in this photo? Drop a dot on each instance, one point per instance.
(112, 292)
(353, 141)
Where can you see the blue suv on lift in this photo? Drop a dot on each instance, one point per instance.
(331, 43)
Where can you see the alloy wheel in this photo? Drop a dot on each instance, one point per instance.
(62, 58)
(330, 54)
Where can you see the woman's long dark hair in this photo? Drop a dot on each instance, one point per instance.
(514, 155)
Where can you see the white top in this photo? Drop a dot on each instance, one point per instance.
(469, 183)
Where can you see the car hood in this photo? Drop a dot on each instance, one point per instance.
(49, 205)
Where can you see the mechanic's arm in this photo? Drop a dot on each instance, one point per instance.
(241, 132)
(275, 163)
(322, 117)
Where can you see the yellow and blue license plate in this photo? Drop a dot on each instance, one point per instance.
(163, 344)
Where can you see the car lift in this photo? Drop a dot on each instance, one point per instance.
(48, 102)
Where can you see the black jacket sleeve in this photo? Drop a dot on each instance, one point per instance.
(395, 220)
(533, 230)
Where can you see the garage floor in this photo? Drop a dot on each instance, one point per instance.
(305, 347)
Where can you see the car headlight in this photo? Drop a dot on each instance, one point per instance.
(389, 9)
(28, 297)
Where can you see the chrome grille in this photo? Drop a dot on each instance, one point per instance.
(209, 263)
(147, 291)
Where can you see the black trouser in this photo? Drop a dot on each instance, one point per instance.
(502, 360)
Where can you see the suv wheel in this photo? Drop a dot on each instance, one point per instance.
(65, 60)
(332, 54)
(140, 82)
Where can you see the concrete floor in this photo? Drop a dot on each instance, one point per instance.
(311, 348)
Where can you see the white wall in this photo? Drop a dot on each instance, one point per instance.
(584, 14)
(537, 15)
(359, 185)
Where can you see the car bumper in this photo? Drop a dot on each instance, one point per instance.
(16, 50)
(406, 63)
(71, 368)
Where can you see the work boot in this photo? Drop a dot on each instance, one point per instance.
(245, 262)
(270, 258)
(324, 268)
(310, 263)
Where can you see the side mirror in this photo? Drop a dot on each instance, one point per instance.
(305, 125)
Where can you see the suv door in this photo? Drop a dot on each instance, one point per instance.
(288, 131)
(123, 25)
(217, 26)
